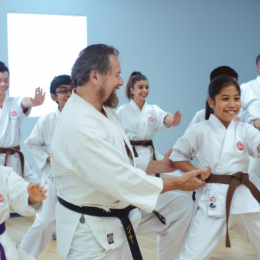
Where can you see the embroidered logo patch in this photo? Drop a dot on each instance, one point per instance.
(110, 238)
(240, 147)
(2, 200)
(212, 205)
(237, 119)
(213, 199)
(13, 114)
(151, 119)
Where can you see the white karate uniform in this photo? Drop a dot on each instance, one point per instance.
(11, 117)
(226, 151)
(142, 125)
(251, 100)
(91, 168)
(243, 116)
(14, 198)
(39, 142)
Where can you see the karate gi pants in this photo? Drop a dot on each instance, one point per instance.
(254, 166)
(176, 207)
(40, 233)
(206, 231)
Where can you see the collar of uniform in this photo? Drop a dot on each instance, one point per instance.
(134, 106)
(76, 99)
(57, 112)
(216, 122)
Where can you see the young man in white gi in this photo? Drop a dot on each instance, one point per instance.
(16, 195)
(250, 98)
(39, 235)
(12, 112)
(96, 181)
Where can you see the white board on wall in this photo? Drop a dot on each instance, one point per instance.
(41, 47)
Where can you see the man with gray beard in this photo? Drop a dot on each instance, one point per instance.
(98, 179)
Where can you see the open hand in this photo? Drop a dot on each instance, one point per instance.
(168, 164)
(36, 193)
(176, 118)
(38, 98)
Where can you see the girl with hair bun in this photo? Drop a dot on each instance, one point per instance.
(231, 197)
(141, 121)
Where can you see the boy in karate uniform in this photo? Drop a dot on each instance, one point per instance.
(39, 235)
(16, 195)
(12, 112)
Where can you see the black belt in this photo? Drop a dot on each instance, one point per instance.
(122, 214)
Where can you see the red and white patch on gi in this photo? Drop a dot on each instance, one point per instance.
(110, 238)
(151, 119)
(2, 200)
(237, 119)
(240, 147)
(213, 199)
(13, 114)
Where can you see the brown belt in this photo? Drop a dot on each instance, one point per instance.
(234, 181)
(13, 150)
(145, 144)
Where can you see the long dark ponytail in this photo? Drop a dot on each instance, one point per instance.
(215, 87)
(133, 78)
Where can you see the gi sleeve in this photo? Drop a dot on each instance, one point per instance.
(18, 196)
(250, 101)
(36, 144)
(246, 117)
(160, 116)
(21, 112)
(103, 165)
(141, 163)
(187, 146)
(199, 117)
(252, 140)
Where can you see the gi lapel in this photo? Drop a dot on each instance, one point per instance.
(142, 123)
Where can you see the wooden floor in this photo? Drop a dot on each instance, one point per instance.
(240, 250)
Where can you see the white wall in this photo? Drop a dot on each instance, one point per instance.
(175, 43)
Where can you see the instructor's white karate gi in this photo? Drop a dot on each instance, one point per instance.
(91, 168)
(250, 98)
(11, 117)
(142, 125)
(13, 198)
(39, 142)
(226, 151)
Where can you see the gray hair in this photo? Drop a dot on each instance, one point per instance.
(94, 57)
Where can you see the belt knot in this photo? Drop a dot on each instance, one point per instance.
(243, 178)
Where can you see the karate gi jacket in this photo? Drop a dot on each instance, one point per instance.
(226, 151)
(91, 168)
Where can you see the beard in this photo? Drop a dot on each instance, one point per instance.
(112, 101)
